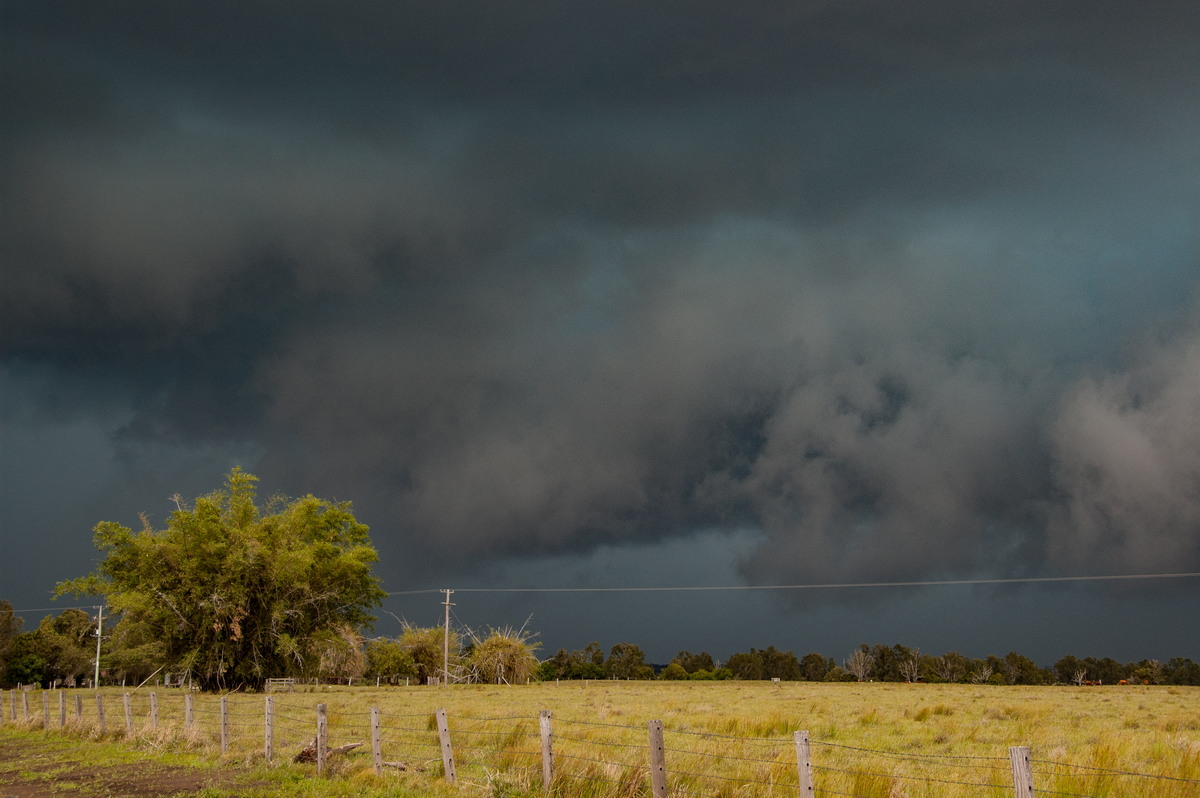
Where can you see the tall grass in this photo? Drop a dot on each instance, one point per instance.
(725, 739)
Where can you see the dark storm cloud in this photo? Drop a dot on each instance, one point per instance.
(862, 277)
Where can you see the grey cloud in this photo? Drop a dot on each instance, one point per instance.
(1127, 460)
(542, 278)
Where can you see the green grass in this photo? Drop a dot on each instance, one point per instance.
(722, 738)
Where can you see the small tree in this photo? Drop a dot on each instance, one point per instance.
(951, 666)
(982, 674)
(505, 655)
(426, 645)
(910, 666)
(861, 663)
(673, 672)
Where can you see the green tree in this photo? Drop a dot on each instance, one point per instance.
(1019, 669)
(889, 661)
(781, 665)
(1181, 670)
(584, 663)
(68, 644)
(814, 666)
(673, 672)
(10, 627)
(388, 661)
(131, 652)
(237, 594)
(25, 665)
(695, 662)
(1106, 670)
(746, 665)
(628, 661)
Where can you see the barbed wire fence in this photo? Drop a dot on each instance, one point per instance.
(563, 756)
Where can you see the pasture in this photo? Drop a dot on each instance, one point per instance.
(880, 740)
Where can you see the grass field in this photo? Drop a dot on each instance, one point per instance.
(721, 738)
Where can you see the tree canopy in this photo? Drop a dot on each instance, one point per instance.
(235, 593)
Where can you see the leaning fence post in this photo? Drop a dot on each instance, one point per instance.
(376, 742)
(321, 738)
(804, 764)
(269, 728)
(100, 712)
(547, 749)
(224, 725)
(154, 710)
(658, 761)
(447, 752)
(1022, 770)
(128, 714)
(45, 710)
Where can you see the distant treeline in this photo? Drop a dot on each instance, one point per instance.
(62, 650)
(896, 663)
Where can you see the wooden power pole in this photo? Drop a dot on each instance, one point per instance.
(446, 641)
(99, 637)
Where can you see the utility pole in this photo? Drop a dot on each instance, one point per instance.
(99, 637)
(446, 642)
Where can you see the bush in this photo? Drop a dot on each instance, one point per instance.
(673, 672)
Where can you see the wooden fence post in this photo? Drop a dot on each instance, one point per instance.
(547, 748)
(100, 712)
(376, 742)
(1022, 770)
(45, 710)
(189, 716)
(128, 714)
(804, 764)
(224, 725)
(62, 709)
(447, 751)
(658, 761)
(269, 728)
(79, 707)
(154, 710)
(322, 742)
(25, 703)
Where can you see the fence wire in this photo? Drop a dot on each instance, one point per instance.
(599, 758)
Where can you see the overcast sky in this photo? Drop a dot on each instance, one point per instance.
(626, 294)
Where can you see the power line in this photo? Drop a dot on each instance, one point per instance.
(56, 609)
(812, 586)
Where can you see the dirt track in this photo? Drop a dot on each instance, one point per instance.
(37, 767)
